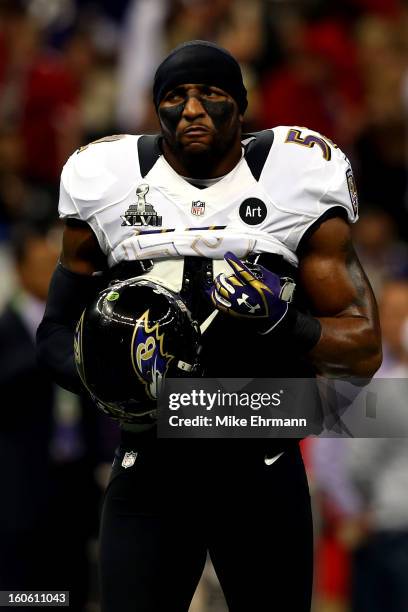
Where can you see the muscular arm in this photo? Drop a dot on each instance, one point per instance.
(72, 287)
(341, 298)
(80, 249)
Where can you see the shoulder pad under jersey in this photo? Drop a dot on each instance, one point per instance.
(98, 175)
(307, 176)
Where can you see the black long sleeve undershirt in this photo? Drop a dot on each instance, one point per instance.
(68, 295)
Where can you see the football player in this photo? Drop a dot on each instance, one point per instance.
(223, 220)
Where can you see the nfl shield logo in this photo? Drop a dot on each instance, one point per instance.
(129, 459)
(198, 208)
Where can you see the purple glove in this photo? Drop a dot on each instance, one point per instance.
(247, 294)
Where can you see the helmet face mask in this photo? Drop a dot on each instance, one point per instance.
(133, 335)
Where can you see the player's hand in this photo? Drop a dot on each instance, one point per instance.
(249, 294)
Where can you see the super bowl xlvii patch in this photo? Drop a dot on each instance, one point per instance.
(129, 459)
(141, 213)
(351, 184)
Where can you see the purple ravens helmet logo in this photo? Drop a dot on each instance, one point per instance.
(149, 360)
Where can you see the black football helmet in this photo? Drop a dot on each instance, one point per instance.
(133, 335)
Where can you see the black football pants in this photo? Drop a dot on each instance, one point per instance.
(181, 498)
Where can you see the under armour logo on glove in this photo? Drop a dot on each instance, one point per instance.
(245, 300)
(251, 294)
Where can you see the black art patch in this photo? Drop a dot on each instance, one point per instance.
(253, 211)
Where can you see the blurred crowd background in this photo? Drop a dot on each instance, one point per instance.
(72, 71)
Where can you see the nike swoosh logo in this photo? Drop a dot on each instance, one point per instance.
(270, 460)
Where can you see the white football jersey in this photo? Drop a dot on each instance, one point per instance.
(140, 208)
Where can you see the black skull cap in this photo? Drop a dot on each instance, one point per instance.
(201, 62)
